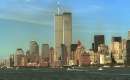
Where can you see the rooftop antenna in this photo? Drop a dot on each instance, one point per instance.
(58, 7)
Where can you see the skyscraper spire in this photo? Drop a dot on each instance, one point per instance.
(58, 7)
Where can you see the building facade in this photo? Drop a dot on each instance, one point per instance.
(19, 58)
(34, 52)
(128, 52)
(67, 27)
(64, 54)
(58, 33)
(116, 50)
(45, 51)
(128, 35)
(63, 33)
(98, 39)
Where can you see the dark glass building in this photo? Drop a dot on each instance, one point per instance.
(73, 47)
(116, 39)
(98, 39)
(93, 46)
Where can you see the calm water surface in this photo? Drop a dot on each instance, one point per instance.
(78, 74)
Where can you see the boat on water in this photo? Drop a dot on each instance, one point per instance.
(77, 70)
(68, 69)
(100, 68)
(106, 66)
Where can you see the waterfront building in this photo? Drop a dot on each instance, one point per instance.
(92, 57)
(64, 57)
(128, 52)
(104, 53)
(3, 62)
(19, 58)
(10, 62)
(58, 33)
(53, 62)
(67, 33)
(102, 59)
(45, 52)
(63, 32)
(124, 42)
(93, 46)
(43, 62)
(79, 51)
(98, 39)
(34, 52)
(85, 59)
(28, 57)
(51, 56)
(73, 51)
(116, 50)
(129, 35)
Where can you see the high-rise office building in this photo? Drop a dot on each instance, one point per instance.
(116, 50)
(104, 53)
(128, 52)
(58, 33)
(124, 41)
(45, 51)
(11, 61)
(73, 50)
(73, 47)
(34, 52)
(64, 54)
(93, 46)
(52, 58)
(128, 35)
(19, 57)
(67, 25)
(116, 39)
(98, 39)
(63, 32)
(79, 51)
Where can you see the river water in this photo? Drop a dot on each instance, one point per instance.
(59, 74)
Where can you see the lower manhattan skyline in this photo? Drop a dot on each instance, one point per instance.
(27, 20)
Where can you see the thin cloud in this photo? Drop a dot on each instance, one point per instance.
(23, 20)
(90, 9)
(31, 14)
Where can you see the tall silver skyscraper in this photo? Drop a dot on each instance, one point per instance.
(67, 31)
(58, 33)
(63, 32)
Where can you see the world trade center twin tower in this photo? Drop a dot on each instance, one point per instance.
(63, 34)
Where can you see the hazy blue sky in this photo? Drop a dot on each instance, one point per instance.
(24, 20)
